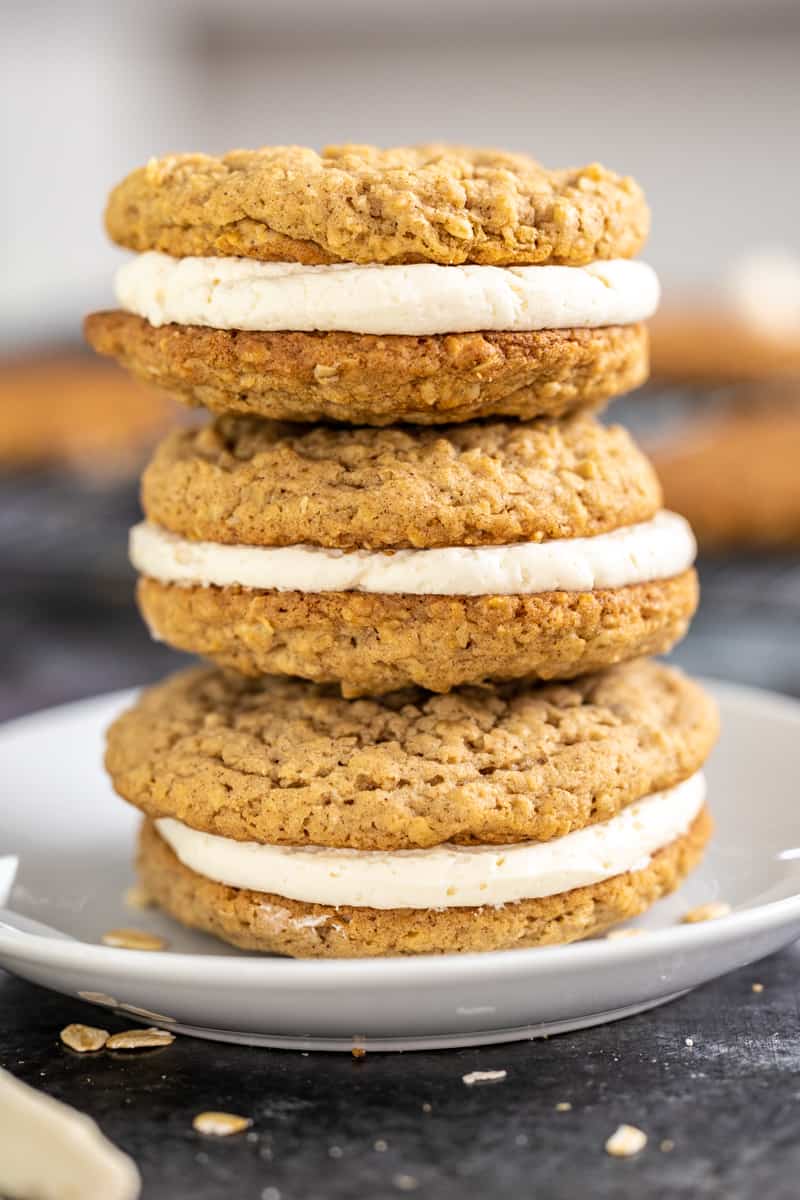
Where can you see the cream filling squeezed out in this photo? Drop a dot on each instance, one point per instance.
(445, 876)
(420, 299)
(655, 549)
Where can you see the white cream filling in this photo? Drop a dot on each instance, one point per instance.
(423, 298)
(445, 876)
(655, 549)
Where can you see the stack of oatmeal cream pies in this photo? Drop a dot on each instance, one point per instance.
(428, 580)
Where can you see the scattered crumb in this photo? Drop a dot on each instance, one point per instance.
(83, 1038)
(625, 1141)
(137, 898)
(617, 935)
(521, 1139)
(358, 1052)
(758, 987)
(563, 1106)
(133, 939)
(380, 1145)
(426, 1108)
(474, 1077)
(689, 1041)
(405, 1183)
(220, 1124)
(139, 1039)
(271, 1193)
(666, 1145)
(335, 1152)
(706, 912)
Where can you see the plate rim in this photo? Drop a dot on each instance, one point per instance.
(409, 971)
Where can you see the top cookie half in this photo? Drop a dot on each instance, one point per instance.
(361, 204)
(425, 285)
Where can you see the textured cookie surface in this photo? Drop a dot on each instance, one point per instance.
(441, 204)
(372, 643)
(283, 761)
(259, 921)
(375, 380)
(245, 481)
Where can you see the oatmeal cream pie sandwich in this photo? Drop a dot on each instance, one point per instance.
(422, 284)
(377, 558)
(282, 817)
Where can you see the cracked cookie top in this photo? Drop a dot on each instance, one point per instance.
(284, 761)
(352, 203)
(246, 481)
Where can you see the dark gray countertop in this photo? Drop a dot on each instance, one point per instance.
(729, 1102)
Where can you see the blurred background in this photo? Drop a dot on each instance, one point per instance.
(699, 99)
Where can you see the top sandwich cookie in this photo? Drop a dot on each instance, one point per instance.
(410, 204)
(425, 285)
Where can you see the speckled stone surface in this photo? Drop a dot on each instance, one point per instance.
(320, 1121)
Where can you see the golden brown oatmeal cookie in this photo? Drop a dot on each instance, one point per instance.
(71, 410)
(286, 762)
(374, 380)
(704, 344)
(373, 643)
(246, 481)
(260, 921)
(751, 453)
(437, 203)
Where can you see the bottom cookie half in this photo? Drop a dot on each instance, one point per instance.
(274, 924)
(371, 644)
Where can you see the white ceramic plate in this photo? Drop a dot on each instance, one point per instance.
(73, 842)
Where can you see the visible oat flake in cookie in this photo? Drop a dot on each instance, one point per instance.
(437, 203)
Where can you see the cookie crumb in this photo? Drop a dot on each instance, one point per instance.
(625, 1141)
(706, 912)
(220, 1124)
(139, 1039)
(474, 1077)
(271, 1193)
(380, 1145)
(521, 1139)
(618, 935)
(563, 1106)
(405, 1183)
(358, 1052)
(133, 939)
(83, 1039)
(137, 898)
(689, 1041)
(666, 1145)
(335, 1152)
(758, 987)
(426, 1108)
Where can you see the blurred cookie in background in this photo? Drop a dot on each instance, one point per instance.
(67, 410)
(747, 328)
(724, 421)
(733, 470)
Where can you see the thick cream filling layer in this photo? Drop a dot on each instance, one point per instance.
(419, 299)
(445, 876)
(655, 549)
